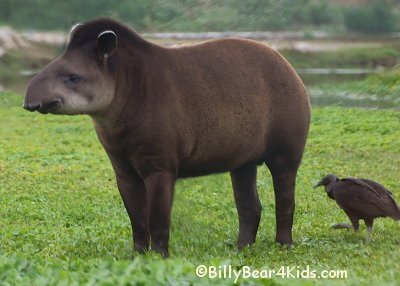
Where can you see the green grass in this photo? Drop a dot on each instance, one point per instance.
(62, 221)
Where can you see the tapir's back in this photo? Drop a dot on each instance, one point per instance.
(235, 95)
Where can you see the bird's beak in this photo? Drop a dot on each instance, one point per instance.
(317, 185)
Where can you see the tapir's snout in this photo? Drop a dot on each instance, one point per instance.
(42, 107)
(39, 97)
(31, 106)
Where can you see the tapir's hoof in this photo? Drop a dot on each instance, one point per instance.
(284, 241)
(242, 244)
(285, 245)
(164, 252)
(139, 249)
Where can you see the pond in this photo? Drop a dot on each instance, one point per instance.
(316, 78)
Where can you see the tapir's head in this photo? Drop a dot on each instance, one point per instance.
(81, 81)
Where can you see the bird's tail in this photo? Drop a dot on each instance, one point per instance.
(396, 215)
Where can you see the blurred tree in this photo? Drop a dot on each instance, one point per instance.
(320, 12)
(204, 15)
(377, 17)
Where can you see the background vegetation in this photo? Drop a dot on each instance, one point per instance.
(209, 15)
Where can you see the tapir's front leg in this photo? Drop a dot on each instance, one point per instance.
(134, 196)
(160, 187)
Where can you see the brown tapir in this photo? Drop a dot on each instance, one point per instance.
(168, 113)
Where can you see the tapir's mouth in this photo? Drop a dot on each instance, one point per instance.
(43, 108)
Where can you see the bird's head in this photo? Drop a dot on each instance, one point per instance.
(327, 182)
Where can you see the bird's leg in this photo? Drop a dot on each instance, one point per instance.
(369, 223)
(355, 223)
(342, 225)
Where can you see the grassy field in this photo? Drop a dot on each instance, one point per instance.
(62, 221)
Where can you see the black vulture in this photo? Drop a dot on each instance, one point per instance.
(360, 199)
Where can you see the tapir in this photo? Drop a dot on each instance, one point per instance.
(164, 113)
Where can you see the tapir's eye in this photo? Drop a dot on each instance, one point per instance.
(72, 79)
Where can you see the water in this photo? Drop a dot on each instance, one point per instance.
(316, 76)
(320, 97)
(313, 78)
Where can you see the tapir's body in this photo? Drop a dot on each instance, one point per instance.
(164, 113)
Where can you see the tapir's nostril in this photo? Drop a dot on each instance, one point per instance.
(32, 106)
(43, 107)
(53, 104)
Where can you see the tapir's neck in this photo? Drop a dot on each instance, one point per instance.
(132, 82)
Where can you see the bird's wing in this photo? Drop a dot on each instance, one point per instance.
(378, 187)
(365, 185)
(373, 194)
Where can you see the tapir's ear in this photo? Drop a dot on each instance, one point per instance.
(75, 27)
(107, 42)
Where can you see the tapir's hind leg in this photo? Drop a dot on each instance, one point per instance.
(283, 167)
(247, 203)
